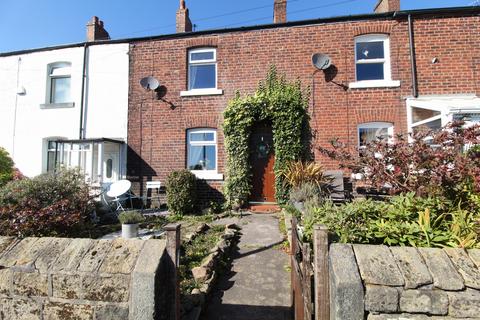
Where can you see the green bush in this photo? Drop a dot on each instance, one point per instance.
(130, 217)
(48, 205)
(6, 167)
(404, 220)
(181, 192)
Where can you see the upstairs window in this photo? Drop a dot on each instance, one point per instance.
(58, 83)
(202, 150)
(202, 69)
(372, 57)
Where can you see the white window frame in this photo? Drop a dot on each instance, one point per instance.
(206, 91)
(49, 96)
(447, 105)
(204, 174)
(387, 72)
(375, 125)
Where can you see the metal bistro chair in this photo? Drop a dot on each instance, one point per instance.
(154, 187)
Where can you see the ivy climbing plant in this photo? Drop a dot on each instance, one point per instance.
(284, 104)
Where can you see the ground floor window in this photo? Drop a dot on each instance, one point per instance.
(202, 149)
(371, 131)
(52, 155)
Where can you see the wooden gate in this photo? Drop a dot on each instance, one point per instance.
(302, 276)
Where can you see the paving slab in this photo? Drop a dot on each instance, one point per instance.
(258, 286)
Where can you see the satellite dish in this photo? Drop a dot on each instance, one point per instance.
(321, 61)
(149, 83)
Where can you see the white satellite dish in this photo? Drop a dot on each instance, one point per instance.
(321, 61)
(149, 83)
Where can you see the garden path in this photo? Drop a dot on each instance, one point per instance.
(258, 285)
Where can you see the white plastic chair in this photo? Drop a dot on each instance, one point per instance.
(154, 187)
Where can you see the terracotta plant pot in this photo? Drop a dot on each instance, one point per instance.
(129, 231)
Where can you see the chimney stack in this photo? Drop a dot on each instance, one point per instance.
(183, 19)
(387, 6)
(96, 31)
(280, 11)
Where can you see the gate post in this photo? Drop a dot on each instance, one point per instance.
(322, 291)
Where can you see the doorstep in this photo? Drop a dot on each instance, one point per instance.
(263, 208)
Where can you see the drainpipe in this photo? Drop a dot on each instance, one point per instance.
(81, 133)
(413, 61)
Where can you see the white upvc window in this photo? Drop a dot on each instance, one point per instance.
(371, 131)
(202, 153)
(372, 62)
(53, 155)
(202, 72)
(434, 112)
(59, 83)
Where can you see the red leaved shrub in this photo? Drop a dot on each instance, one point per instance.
(442, 162)
(48, 205)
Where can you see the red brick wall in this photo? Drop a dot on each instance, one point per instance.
(157, 133)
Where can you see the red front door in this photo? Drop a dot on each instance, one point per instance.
(262, 159)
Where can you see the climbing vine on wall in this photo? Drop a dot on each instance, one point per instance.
(284, 104)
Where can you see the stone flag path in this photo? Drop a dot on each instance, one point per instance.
(258, 285)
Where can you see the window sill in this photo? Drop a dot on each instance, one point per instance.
(57, 105)
(201, 92)
(207, 175)
(374, 84)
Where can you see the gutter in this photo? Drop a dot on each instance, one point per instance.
(81, 133)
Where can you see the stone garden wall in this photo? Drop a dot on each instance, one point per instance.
(380, 283)
(53, 278)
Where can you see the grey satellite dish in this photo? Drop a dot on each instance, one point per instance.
(321, 61)
(149, 83)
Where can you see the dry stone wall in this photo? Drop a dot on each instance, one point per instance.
(53, 278)
(379, 283)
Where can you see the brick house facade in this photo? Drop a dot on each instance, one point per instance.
(447, 52)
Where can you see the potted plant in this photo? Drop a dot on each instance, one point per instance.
(130, 221)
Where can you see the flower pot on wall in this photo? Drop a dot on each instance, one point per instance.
(129, 231)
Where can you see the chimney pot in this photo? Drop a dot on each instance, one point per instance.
(387, 6)
(280, 11)
(96, 31)
(183, 23)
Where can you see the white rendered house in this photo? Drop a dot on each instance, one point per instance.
(68, 106)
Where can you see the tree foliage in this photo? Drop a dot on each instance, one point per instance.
(6, 167)
(282, 103)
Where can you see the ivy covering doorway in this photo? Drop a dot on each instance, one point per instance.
(282, 103)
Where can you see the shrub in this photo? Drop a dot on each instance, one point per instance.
(130, 217)
(297, 173)
(431, 163)
(404, 220)
(181, 192)
(6, 167)
(48, 205)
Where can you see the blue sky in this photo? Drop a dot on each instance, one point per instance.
(28, 24)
